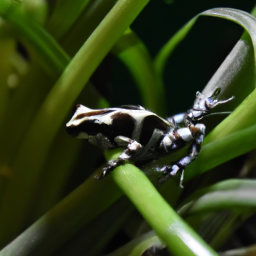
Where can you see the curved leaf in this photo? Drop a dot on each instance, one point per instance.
(239, 66)
(134, 54)
(222, 150)
(159, 215)
(166, 51)
(89, 19)
(138, 245)
(50, 54)
(225, 195)
(54, 110)
(238, 69)
(65, 13)
(245, 251)
(244, 19)
(67, 217)
(212, 154)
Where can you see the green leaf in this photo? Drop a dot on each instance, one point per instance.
(67, 217)
(237, 75)
(225, 195)
(245, 251)
(166, 51)
(89, 19)
(53, 111)
(39, 41)
(239, 66)
(244, 19)
(212, 154)
(170, 228)
(65, 14)
(222, 150)
(137, 246)
(134, 54)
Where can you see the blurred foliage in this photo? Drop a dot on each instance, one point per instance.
(55, 54)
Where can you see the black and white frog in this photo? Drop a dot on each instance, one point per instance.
(143, 134)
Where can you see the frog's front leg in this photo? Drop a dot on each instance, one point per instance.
(132, 147)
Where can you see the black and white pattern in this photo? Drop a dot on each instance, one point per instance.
(144, 135)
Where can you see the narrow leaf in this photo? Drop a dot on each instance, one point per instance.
(225, 195)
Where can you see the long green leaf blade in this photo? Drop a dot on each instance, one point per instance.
(49, 53)
(53, 111)
(160, 216)
(225, 195)
(134, 54)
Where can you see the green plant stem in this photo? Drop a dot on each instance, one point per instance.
(134, 54)
(36, 9)
(138, 245)
(227, 227)
(237, 68)
(48, 52)
(240, 118)
(245, 251)
(59, 224)
(132, 183)
(53, 111)
(213, 153)
(23, 116)
(230, 194)
(65, 14)
(166, 51)
(87, 240)
(90, 18)
(218, 151)
(62, 153)
(242, 18)
(178, 236)
(56, 177)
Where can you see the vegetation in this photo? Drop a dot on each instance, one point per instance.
(53, 55)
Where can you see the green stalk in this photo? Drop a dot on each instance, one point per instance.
(134, 54)
(49, 232)
(237, 68)
(169, 47)
(224, 195)
(242, 18)
(65, 14)
(23, 116)
(90, 18)
(228, 226)
(212, 154)
(62, 154)
(178, 236)
(62, 158)
(138, 245)
(87, 241)
(51, 115)
(48, 52)
(245, 251)
(218, 151)
(65, 219)
(240, 118)
(214, 151)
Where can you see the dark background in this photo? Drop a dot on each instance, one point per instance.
(193, 62)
